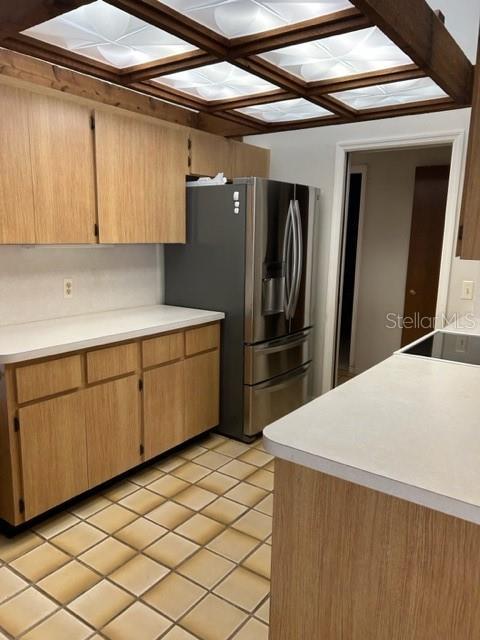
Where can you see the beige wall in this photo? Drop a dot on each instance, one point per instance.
(385, 244)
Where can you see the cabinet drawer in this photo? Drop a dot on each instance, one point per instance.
(111, 362)
(202, 339)
(48, 378)
(162, 349)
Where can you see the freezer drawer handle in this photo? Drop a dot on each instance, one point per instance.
(285, 344)
(285, 380)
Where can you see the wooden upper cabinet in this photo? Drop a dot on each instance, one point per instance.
(141, 169)
(17, 220)
(209, 154)
(469, 231)
(249, 160)
(62, 153)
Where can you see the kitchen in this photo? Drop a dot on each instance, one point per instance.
(117, 339)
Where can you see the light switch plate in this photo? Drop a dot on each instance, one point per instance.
(467, 290)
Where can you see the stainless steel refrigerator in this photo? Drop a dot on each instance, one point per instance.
(249, 253)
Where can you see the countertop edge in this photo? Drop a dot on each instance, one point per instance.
(417, 495)
(52, 350)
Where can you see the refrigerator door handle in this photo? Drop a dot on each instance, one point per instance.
(290, 245)
(299, 257)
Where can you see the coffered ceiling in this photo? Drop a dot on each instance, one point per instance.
(264, 65)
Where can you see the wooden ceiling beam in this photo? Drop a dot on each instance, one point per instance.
(314, 29)
(172, 64)
(49, 76)
(414, 27)
(16, 16)
(247, 101)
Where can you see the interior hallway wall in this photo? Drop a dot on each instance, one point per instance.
(390, 185)
(104, 278)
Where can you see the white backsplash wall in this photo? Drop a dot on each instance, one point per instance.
(104, 278)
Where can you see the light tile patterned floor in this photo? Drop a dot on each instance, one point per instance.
(177, 551)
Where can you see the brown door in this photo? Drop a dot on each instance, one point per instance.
(426, 239)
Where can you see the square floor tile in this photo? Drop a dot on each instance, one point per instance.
(206, 568)
(171, 550)
(142, 501)
(212, 459)
(191, 472)
(244, 589)
(168, 486)
(39, 562)
(173, 596)
(224, 510)
(259, 445)
(60, 626)
(57, 524)
(101, 603)
(177, 633)
(169, 463)
(78, 538)
(237, 469)
(10, 583)
(212, 440)
(170, 515)
(120, 490)
(140, 533)
(88, 507)
(263, 612)
(256, 457)
(255, 524)
(11, 548)
(260, 561)
(217, 482)
(262, 479)
(253, 630)
(266, 505)
(138, 622)
(233, 545)
(24, 611)
(195, 498)
(139, 574)
(112, 518)
(246, 494)
(107, 555)
(193, 451)
(200, 529)
(213, 619)
(232, 448)
(146, 476)
(70, 581)
(270, 466)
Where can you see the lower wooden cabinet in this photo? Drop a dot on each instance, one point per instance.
(69, 433)
(113, 428)
(53, 450)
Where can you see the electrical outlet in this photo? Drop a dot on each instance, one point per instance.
(68, 288)
(467, 290)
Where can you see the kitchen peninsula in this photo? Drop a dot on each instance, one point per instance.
(377, 507)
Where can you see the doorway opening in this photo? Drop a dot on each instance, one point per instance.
(391, 251)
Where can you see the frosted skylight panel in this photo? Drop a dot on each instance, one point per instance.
(235, 18)
(285, 111)
(109, 35)
(338, 56)
(221, 81)
(396, 93)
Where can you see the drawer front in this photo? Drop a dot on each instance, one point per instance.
(202, 339)
(48, 378)
(111, 362)
(162, 349)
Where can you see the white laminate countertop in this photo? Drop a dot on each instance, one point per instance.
(51, 337)
(408, 427)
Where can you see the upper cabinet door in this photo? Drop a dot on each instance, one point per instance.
(141, 169)
(249, 160)
(62, 155)
(209, 154)
(17, 222)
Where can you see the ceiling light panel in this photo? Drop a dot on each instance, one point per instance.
(235, 18)
(285, 111)
(220, 81)
(387, 95)
(339, 56)
(109, 35)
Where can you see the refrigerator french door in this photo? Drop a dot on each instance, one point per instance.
(249, 253)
